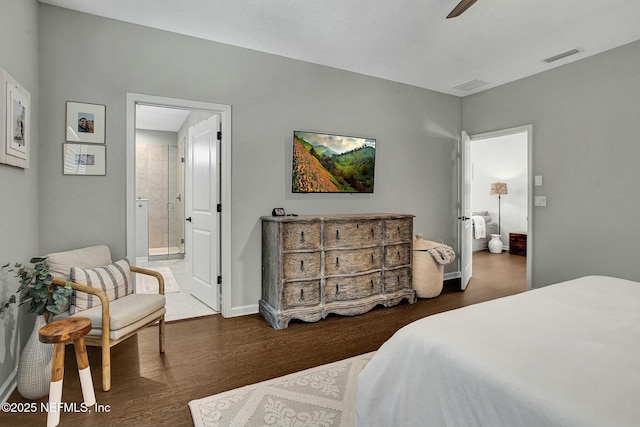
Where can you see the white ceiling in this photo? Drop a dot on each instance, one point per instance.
(408, 41)
(150, 117)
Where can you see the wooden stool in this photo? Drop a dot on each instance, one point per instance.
(58, 333)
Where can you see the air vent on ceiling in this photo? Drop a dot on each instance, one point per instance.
(471, 85)
(562, 55)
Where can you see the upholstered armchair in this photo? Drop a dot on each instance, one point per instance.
(491, 227)
(103, 292)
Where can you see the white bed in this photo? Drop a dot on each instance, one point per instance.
(563, 355)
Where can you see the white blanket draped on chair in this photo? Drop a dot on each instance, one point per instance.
(479, 227)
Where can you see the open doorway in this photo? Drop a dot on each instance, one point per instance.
(160, 201)
(501, 193)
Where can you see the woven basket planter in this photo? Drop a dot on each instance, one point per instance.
(428, 275)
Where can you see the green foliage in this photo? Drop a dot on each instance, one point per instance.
(37, 288)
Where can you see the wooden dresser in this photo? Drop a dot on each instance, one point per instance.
(345, 264)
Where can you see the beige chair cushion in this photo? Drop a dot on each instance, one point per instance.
(127, 314)
(91, 257)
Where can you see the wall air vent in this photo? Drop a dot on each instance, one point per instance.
(471, 85)
(562, 55)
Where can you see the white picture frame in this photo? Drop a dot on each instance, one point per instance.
(15, 122)
(84, 159)
(85, 122)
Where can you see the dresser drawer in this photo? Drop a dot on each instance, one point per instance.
(349, 288)
(300, 236)
(398, 230)
(301, 265)
(352, 261)
(354, 233)
(397, 255)
(301, 294)
(395, 280)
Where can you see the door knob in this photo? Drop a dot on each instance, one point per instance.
(188, 219)
(464, 218)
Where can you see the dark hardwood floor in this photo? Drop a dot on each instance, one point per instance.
(209, 355)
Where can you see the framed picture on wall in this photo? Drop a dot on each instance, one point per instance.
(84, 159)
(15, 122)
(85, 122)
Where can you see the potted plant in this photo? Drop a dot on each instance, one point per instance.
(37, 289)
(43, 298)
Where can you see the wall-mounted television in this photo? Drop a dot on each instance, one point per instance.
(326, 163)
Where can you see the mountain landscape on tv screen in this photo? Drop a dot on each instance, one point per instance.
(332, 164)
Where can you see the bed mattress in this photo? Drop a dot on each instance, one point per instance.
(564, 355)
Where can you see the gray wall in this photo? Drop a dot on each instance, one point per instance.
(90, 59)
(19, 225)
(586, 145)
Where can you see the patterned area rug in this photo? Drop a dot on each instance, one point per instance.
(323, 396)
(149, 285)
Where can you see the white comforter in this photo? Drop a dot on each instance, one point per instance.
(563, 355)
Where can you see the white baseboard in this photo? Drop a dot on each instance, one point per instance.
(243, 310)
(453, 275)
(9, 385)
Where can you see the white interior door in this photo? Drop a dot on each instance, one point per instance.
(203, 218)
(464, 217)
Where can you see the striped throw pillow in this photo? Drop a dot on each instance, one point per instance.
(114, 279)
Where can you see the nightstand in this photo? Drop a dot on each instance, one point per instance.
(518, 243)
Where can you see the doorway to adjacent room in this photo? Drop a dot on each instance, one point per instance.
(498, 185)
(167, 200)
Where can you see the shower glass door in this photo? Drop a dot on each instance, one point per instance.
(158, 179)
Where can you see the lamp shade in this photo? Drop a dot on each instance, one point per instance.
(498, 188)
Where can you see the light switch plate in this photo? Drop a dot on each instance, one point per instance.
(540, 201)
(538, 180)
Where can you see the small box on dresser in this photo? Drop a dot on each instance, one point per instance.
(344, 264)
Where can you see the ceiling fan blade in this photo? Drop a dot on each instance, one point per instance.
(460, 8)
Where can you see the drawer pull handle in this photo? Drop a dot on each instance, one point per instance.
(398, 254)
(337, 262)
(301, 265)
(337, 234)
(301, 294)
(302, 237)
(372, 233)
(398, 277)
(398, 231)
(337, 290)
(371, 284)
(371, 258)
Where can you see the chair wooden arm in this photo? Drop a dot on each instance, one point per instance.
(151, 273)
(104, 301)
